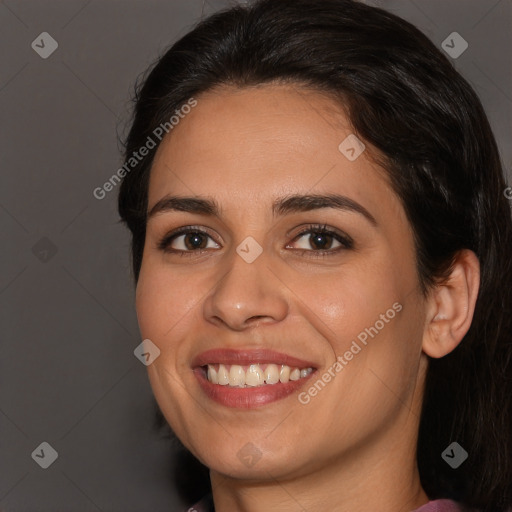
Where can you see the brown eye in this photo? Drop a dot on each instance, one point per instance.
(319, 239)
(186, 240)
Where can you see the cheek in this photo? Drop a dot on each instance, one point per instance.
(162, 300)
(371, 318)
(341, 305)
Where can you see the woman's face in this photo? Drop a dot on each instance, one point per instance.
(257, 282)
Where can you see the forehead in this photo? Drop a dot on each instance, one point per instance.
(245, 145)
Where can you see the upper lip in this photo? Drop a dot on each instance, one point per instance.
(248, 356)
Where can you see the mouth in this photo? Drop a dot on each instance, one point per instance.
(250, 378)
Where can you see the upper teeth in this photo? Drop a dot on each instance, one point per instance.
(255, 375)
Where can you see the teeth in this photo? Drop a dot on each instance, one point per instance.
(295, 374)
(284, 374)
(222, 375)
(271, 374)
(254, 375)
(234, 375)
(212, 375)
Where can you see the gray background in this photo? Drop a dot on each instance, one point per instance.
(68, 326)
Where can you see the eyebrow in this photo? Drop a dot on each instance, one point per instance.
(281, 206)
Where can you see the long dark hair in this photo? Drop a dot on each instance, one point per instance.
(404, 97)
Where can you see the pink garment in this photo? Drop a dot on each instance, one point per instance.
(206, 505)
(440, 506)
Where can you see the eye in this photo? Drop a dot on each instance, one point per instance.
(188, 239)
(321, 240)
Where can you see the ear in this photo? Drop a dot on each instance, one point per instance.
(450, 306)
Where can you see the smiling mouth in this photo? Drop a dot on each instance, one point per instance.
(253, 375)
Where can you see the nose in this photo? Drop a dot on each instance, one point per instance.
(247, 295)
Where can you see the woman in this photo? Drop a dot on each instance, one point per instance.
(321, 246)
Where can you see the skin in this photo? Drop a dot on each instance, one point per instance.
(352, 447)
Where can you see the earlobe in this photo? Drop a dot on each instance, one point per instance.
(451, 305)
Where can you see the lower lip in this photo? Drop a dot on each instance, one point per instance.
(251, 397)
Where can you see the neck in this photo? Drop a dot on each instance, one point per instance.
(332, 495)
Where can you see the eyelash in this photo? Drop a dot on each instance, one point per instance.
(345, 241)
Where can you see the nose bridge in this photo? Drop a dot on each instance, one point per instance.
(248, 291)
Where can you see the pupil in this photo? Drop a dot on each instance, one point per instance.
(196, 241)
(318, 238)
